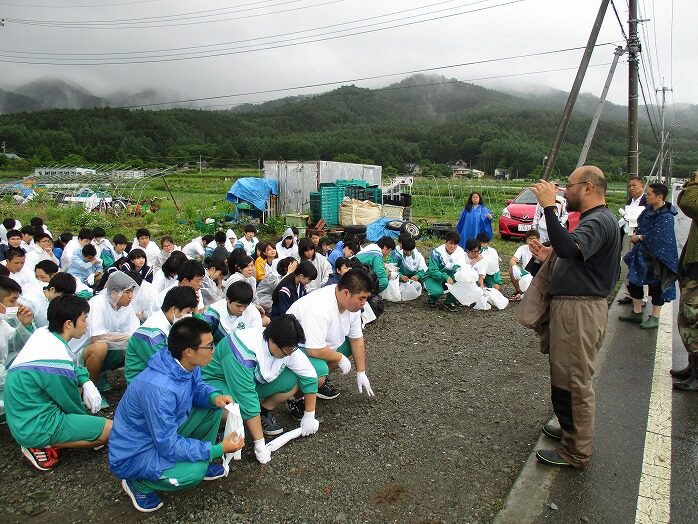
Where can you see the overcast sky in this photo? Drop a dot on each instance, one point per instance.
(499, 28)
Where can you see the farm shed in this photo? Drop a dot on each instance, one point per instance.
(298, 179)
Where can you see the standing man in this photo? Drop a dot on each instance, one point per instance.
(585, 272)
(688, 286)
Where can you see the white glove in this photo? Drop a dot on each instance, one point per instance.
(91, 397)
(362, 382)
(309, 425)
(261, 452)
(345, 365)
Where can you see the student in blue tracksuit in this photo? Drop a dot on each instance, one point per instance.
(166, 424)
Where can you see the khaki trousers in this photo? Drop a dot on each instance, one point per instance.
(577, 329)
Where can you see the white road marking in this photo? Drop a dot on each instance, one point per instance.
(653, 501)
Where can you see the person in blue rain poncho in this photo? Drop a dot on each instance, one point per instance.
(475, 218)
(653, 261)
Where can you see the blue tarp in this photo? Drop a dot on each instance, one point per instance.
(256, 191)
(377, 230)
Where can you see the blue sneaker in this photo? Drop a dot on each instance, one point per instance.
(214, 471)
(144, 502)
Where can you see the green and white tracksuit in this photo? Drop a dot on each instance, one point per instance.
(147, 340)
(442, 265)
(411, 265)
(42, 395)
(219, 318)
(372, 256)
(243, 367)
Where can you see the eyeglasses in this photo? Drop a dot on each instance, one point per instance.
(288, 351)
(576, 184)
(210, 347)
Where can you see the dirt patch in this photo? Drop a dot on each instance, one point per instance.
(460, 398)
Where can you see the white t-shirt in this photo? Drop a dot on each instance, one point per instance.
(151, 251)
(523, 254)
(68, 252)
(480, 266)
(322, 322)
(250, 317)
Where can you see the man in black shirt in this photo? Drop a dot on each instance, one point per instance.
(584, 274)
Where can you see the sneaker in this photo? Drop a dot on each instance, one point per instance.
(43, 459)
(450, 307)
(270, 426)
(296, 407)
(651, 323)
(635, 318)
(327, 391)
(552, 431)
(550, 457)
(431, 302)
(214, 471)
(144, 502)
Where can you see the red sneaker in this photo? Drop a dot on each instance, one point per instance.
(43, 459)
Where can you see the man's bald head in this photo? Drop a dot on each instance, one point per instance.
(591, 174)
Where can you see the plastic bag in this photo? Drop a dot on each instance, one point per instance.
(495, 297)
(410, 290)
(392, 292)
(524, 282)
(466, 274)
(467, 293)
(233, 424)
(367, 315)
(482, 304)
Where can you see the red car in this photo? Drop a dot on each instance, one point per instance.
(517, 217)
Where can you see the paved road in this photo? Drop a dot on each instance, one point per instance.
(628, 478)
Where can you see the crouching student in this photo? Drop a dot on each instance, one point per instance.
(112, 321)
(151, 337)
(165, 426)
(409, 260)
(331, 320)
(476, 260)
(444, 262)
(372, 256)
(235, 311)
(517, 264)
(45, 411)
(261, 368)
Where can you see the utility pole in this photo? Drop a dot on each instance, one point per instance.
(599, 108)
(576, 86)
(663, 151)
(634, 50)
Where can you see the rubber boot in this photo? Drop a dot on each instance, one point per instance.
(682, 374)
(635, 318)
(691, 383)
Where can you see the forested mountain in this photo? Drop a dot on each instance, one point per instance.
(420, 119)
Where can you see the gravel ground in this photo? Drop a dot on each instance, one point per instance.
(460, 398)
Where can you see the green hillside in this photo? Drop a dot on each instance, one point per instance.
(420, 119)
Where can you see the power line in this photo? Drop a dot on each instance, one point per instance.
(361, 79)
(411, 86)
(169, 58)
(139, 22)
(79, 6)
(275, 35)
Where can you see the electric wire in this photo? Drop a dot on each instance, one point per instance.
(275, 35)
(170, 58)
(373, 77)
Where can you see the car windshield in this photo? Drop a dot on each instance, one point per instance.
(526, 197)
